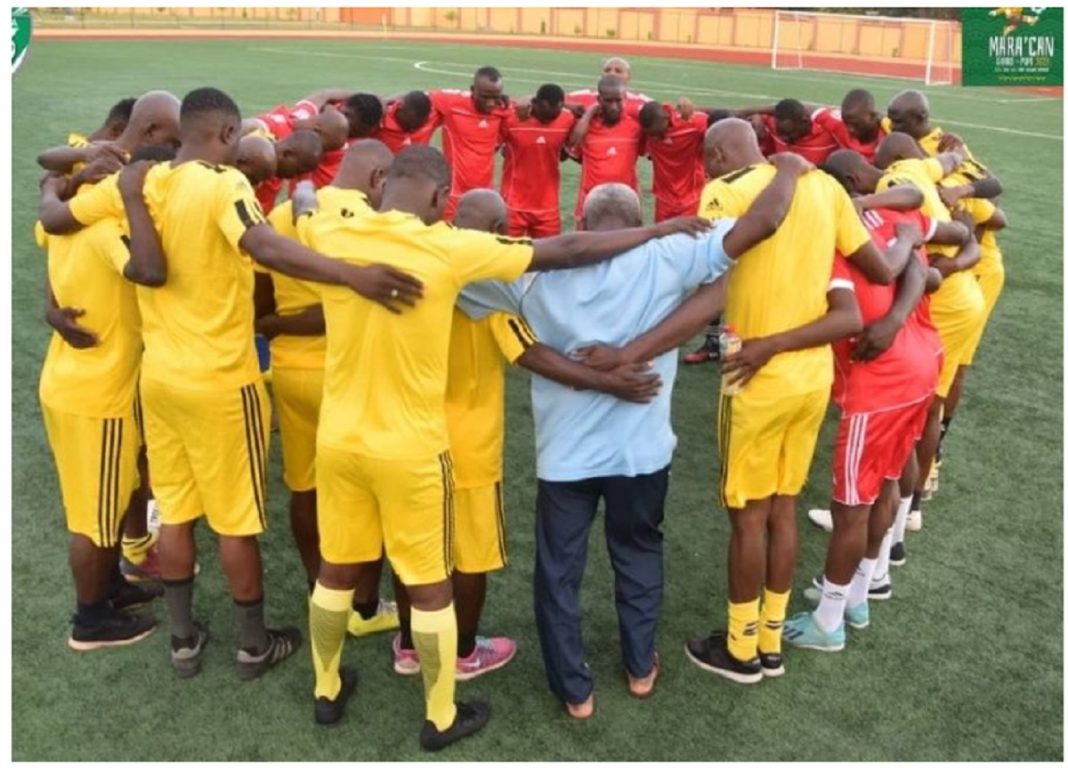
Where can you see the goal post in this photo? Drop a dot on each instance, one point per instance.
(876, 46)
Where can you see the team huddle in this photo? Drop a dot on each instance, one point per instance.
(838, 254)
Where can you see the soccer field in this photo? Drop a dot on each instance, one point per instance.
(965, 662)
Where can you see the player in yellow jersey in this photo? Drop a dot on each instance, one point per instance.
(88, 390)
(768, 429)
(382, 462)
(260, 158)
(289, 313)
(114, 125)
(205, 408)
(474, 407)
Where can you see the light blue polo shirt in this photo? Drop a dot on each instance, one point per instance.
(588, 434)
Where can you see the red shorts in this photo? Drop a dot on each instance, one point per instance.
(872, 447)
(533, 223)
(669, 209)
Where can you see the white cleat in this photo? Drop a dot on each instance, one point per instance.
(821, 518)
(914, 521)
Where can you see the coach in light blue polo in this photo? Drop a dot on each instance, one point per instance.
(592, 445)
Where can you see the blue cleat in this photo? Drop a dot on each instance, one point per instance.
(802, 631)
(858, 617)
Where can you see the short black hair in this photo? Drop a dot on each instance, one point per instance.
(490, 73)
(550, 93)
(421, 162)
(790, 109)
(858, 97)
(366, 106)
(205, 101)
(120, 112)
(649, 112)
(417, 103)
(160, 153)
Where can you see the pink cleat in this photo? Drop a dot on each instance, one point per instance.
(490, 653)
(405, 660)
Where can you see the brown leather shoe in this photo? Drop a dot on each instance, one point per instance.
(581, 711)
(642, 687)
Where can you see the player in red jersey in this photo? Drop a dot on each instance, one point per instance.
(266, 163)
(335, 125)
(471, 134)
(857, 125)
(530, 184)
(676, 147)
(408, 121)
(581, 100)
(607, 141)
(792, 129)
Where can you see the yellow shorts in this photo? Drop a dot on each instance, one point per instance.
(208, 455)
(766, 444)
(96, 460)
(958, 322)
(298, 393)
(405, 506)
(480, 546)
(990, 283)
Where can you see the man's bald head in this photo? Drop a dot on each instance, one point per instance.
(154, 121)
(616, 67)
(852, 171)
(256, 159)
(333, 129)
(364, 168)
(482, 209)
(730, 144)
(897, 146)
(611, 206)
(298, 153)
(909, 112)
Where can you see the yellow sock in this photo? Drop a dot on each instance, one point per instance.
(772, 615)
(434, 637)
(328, 617)
(742, 621)
(136, 550)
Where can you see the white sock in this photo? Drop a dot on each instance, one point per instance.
(831, 610)
(858, 587)
(881, 571)
(899, 521)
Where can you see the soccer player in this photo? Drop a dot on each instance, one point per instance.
(383, 468)
(282, 120)
(768, 429)
(675, 147)
(408, 121)
(859, 125)
(113, 126)
(581, 100)
(333, 128)
(590, 446)
(471, 124)
(205, 408)
(88, 390)
(607, 141)
(530, 183)
(290, 314)
(791, 128)
(266, 164)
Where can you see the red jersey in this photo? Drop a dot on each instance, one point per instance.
(469, 139)
(678, 159)
(531, 178)
(587, 97)
(267, 193)
(327, 169)
(396, 138)
(814, 147)
(846, 140)
(279, 121)
(609, 153)
(908, 370)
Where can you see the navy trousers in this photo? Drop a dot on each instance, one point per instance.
(634, 510)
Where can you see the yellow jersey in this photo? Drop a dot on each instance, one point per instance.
(386, 374)
(474, 397)
(929, 142)
(981, 211)
(782, 283)
(198, 326)
(85, 271)
(77, 141)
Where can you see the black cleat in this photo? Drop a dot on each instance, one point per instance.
(882, 592)
(897, 554)
(329, 712)
(113, 630)
(471, 717)
(281, 644)
(771, 664)
(133, 596)
(186, 654)
(711, 654)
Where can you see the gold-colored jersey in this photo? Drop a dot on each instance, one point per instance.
(198, 327)
(386, 374)
(928, 143)
(981, 210)
(77, 141)
(782, 282)
(85, 271)
(474, 398)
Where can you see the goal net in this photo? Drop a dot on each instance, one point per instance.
(912, 49)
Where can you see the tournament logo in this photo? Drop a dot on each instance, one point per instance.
(20, 35)
(1012, 46)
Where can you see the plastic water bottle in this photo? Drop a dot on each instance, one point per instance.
(730, 343)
